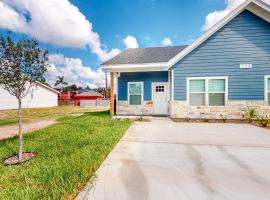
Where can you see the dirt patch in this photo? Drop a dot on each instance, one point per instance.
(14, 160)
(11, 131)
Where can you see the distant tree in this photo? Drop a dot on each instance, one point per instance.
(101, 90)
(21, 64)
(72, 87)
(87, 87)
(43, 81)
(60, 82)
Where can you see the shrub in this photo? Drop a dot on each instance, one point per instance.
(250, 114)
(265, 121)
(187, 119)
(224, 118)
(205, 120)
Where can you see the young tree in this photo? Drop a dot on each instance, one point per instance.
(21, 64)
(60, 82)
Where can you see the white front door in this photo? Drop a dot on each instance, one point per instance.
(160, 98)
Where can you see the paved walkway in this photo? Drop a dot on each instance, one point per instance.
(10, 131)
(162, 159)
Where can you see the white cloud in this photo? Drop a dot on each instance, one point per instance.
(130, 42)
(213, 17)
(9, 18)
(57, 22)
(73, 71)
(166, 41)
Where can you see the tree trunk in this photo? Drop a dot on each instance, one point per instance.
(20, 131)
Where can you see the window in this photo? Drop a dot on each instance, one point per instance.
(207, 91)
(135, 92)
(197, 92)
(216, 92)
(160, 88)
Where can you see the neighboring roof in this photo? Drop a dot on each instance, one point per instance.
(83, 90)
(90, 93)
(145, 55)
(257, 7)
(47, 87)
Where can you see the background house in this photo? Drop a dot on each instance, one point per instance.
(39, 96)
(86, 96)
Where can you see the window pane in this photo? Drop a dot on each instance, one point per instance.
(268, 85)
(135, 88)
(216, 85)
(197, 99)
(197, 86)
(135, 99)
(216, 99)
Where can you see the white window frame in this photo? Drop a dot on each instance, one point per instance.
(206, 79)
(266, 88)
(141, 94)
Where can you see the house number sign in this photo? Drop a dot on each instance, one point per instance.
(245, 66)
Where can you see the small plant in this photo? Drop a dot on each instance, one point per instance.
(205, 120)
(140, 118)
(265, 121)
(250, 114)
(187, 119)
(224, 118)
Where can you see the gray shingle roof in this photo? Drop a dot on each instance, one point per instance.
(90, 93)
(145, 55)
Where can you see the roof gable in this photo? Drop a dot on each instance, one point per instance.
(257, 7)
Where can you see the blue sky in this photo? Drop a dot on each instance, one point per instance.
(80, 34)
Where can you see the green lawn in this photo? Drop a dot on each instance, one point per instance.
(69, 153)
(8, 117)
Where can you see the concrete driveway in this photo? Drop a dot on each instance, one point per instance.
(165, 160)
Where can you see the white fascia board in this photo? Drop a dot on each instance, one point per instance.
(262, 10)
(249, 5)
(136, 67)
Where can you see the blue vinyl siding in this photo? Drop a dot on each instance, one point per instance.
(146, 77)
(244, 40)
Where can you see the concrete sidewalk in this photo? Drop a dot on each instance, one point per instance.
(12, 130)
(162, 159)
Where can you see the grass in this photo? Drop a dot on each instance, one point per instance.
(8, 117)
(69, 153)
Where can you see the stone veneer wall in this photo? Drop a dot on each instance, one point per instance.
(233, 110)
(123, 108)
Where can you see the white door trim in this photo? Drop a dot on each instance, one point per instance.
(266, 77)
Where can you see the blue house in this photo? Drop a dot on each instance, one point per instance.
(218, 76)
